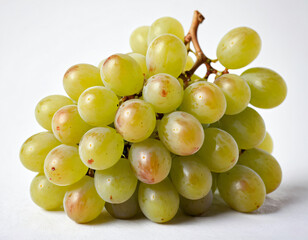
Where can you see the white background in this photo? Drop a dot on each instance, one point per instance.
(39, 40)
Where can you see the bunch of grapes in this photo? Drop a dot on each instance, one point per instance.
(143, 132)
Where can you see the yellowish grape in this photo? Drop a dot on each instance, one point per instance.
(196, 207)
(139, 40)
(267, 143)
(141, 60)
(189, 63)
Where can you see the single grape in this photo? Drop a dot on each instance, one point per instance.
(80, 77)
(267, 143)
(82, 204)
(164, 92)
(141, 60)
(135, 120)
(150, 161)
(97, 106)
(122, 74)
(139, 40)
(238, 47)
(117, 183)
(236, 91)
(191, 177)
(246, 127)
(219, 150)
(100, 65)
(241, 188)
(125, 210)
(196, 207)
(45, 194)
(101, 147)
(35, 149)
(63, 166)
(268, 89)
(166, 54)
(205, 101)
(189, 63)
(165, 25)
(181, 133)
(47, 107)
(158, 202)
(67, 125)
(263, 164)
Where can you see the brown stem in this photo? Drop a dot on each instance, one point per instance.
(90, 172)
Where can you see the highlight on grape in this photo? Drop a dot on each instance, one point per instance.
(143, 132)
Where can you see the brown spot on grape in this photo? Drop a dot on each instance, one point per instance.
(58, 128)
(148, 169)
(53, 168)
(49, 178)
(90, 161)
(70, 70)
(164, 93)
(110, 197)
(162, 219)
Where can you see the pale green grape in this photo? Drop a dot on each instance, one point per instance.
(196, 207)
(238, 47)
(263, 164)
(35, 149)
(141, 60)
(166, 54)
(205, 101)
(122, 74)
(189, 63)
(80, 77)
(164, 92)
(191, 177)
(125, 210)
(100, 65)
(246, 127)
(219, 151)
(181, 133)
(150, 161)
(242, 189)
(47, 107)
(236, 91)
(166, 25)
(45, 194)
(82, 204)
(67, 125)
(268, 89)
(117, 183)
(135, 120)
(63, 165)
(101, 148)
(139, 40)
(97, 106)
(158, 202)
(267, 143)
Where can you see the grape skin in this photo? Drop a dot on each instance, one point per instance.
(196, 207)
(267, 143)
(139, 40)
(117, 183)
(141, 60)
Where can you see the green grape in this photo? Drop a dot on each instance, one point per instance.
(122, 74)
(117, 183)
(158, 202)
(100, 65)
(97, 106)
(191, 177)
(82, 204)
(196, 207)
(141, 60)
(101, 147)
(135, 120)
(45, 194)
(246, 127)
(125, 210)
(166, 54)
(165, 25)
(238, 47)
(67, 125)
(236, 91)
(267, 143)
(35, 149)
(205, 101)
(263, 164)
(214, 181)
(189, 63)
(241, 188)
(181, 133)
(47, 107)
(164, 92)
(80, 77)
(63, 166)
(150, 161)
(219, 151)
(268, 89)
(139, 40)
